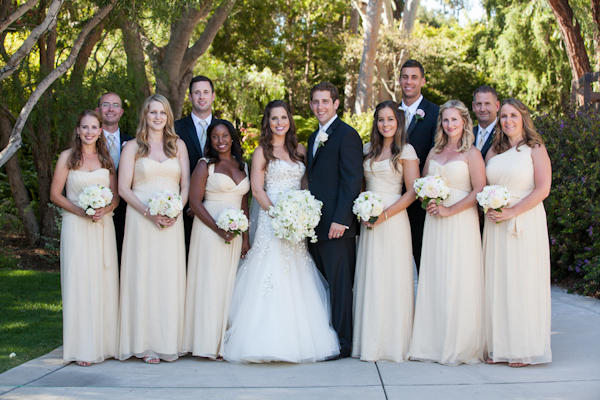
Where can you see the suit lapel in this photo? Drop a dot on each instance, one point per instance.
(330, 131)
(191, 128)
(488, 142)
(414, 121)
(311, 142)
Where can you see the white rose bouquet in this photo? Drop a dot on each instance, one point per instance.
(93, 197)
(431, 187)
(368, 206)
(165, 203)
(296, 215)
(494, 197)
(232, 220)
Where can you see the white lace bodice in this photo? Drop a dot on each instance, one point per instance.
(281, 176)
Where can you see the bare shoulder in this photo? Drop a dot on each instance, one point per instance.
(64, 157)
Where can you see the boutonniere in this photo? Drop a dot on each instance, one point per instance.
(420, 114)
(322, 137)
(123, 144)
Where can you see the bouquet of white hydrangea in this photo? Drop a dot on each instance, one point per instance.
(431, 187)
(368, 206)
(165, 203)
(296, 215)
(494, 197)
(232, 220)
(93, 197)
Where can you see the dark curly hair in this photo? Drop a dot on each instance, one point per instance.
(236, 146)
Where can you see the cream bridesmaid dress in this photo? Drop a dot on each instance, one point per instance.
(383, 286)
(448, 327)
(212, 268)
(89, 277)
(152, 271)
(517, 269)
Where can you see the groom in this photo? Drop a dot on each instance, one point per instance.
(335, 175)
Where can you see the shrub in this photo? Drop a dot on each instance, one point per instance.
(573, 206)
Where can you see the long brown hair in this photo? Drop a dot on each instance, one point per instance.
(441, 139)
(531, 138)
(169, 135)
(266, 135)
(76, 159)
(400, 137)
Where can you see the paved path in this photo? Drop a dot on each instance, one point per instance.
(574, 374)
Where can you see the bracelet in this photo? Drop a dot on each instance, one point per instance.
(385, 214)
(113, 209)
(146, 212)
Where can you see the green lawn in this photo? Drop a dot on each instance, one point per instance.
(30, 313)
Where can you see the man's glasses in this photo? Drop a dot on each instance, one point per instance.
(108, 105)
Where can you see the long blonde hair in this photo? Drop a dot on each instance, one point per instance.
(75, 158)
(531, 138)
(441, 139)
(169, 135)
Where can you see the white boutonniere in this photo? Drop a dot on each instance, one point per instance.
(322, 137)
(419, 114)
(123, 144)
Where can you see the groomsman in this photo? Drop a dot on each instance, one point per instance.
(110, 108)
(335, 175)
(192, 130)
(421, 124)
(485, 107)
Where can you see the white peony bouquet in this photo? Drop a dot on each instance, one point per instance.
(494, 197)
(431, 187)
(232, 220)
(296, 215)
(165, 203)
(93, 197)
(368, 206)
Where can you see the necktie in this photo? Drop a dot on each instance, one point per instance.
(317, 142)
(113, 148)
(407, 118)
(202, 135)
(480, 140)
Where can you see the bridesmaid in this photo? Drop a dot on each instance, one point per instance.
(383, 288)
(153, 260)
(448, 327)
(221, 180)
(515, 244)
(90, 289)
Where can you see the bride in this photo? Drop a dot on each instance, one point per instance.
(280, 306)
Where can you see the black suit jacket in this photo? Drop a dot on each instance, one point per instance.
(119, 212)
(421, 132)
(488, 142)
(335, 177)
(186, 130)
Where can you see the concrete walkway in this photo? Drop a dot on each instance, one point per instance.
(574, 374)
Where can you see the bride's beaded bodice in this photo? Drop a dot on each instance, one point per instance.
(281, 176)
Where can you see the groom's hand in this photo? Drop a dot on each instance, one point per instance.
(336, 230)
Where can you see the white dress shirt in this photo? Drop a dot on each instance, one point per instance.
(323, 129)
(199, 132)
(478, 140)
(410, 111)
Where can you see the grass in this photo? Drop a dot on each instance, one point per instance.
(30, 313)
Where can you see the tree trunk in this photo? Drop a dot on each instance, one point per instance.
(17, 184)
(136, 65)
(364, 87)
(173, 64)
(83, 57)
(571, 35)
(596, 17)
(408, 18)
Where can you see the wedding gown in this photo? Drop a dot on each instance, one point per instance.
(448, 326)
(517, 269)
(383, 287)
(280, 306)
(89, 277)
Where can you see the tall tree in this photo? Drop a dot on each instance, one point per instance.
(364, 87)
(570, 31)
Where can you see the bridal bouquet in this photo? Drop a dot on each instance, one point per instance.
(494, 197)
(431, 187)
(232, 220)
(93, 197)
(368, 207)
(296, 215)
(165, 203)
